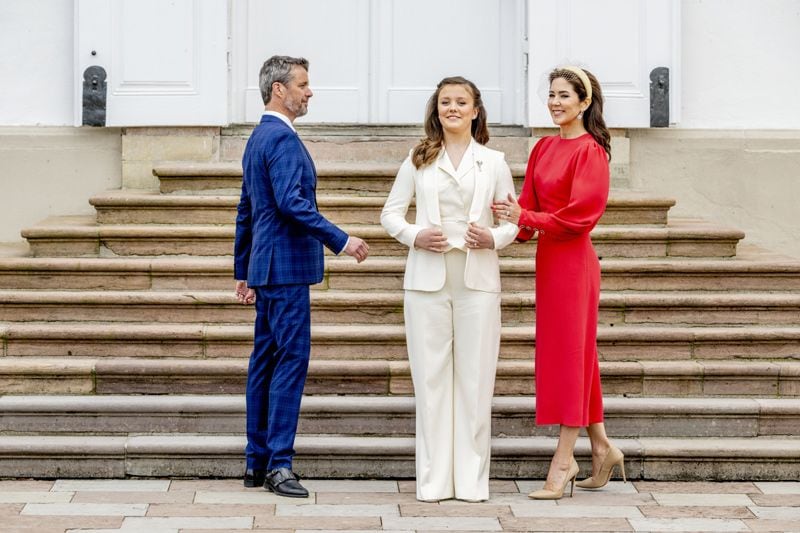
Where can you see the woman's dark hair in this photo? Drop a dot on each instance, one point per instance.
(593, 116)
(428, 149)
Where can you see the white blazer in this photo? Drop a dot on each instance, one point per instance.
(425, 270)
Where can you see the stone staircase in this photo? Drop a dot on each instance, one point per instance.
(124, 352)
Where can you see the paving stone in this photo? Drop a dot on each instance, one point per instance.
(59, 523)
(357, 498)
(777, 513)
(237, 531)
(702, 500)
(778, 487)
(355, 485)
(324, 523)
(35, 497)
(586, 497)
(559, 524)
(697, 487)
(613, 487)
(657, 511)
(208, 509)
(10, 509)
(443, 524)
(436, 510)
(495, 485)
(253, 497)
(355, 531)
(111, 485)
(776, 500)
(125, 530)
(687, 524)
(25, 485)
(782, 526)
(84, 509)
(501, 498)
(214, 485)
(337, 510)
(56, 529)
(183, 522)
(131, 497)
(574, 511)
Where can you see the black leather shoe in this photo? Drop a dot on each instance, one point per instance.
(254, 478)
(283, 482)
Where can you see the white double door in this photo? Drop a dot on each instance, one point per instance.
(196, 62)
(378, 61)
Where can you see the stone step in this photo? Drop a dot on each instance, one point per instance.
(378, 307)
(746, 273)
(512, 416)
(81, 236)
(655, 458)
(353, 177)
(369, 143)
(118, 375)
(142, 207)
(339, 342)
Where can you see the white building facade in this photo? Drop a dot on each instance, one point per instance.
(729, 153)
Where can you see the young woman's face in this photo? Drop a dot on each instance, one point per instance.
(563, 102)
(456, 108)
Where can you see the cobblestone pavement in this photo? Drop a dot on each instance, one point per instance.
(161, 506)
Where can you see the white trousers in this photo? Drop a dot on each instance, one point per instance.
(453, 339)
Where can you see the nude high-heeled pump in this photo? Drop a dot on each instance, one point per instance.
(547, 494)
(613, 458)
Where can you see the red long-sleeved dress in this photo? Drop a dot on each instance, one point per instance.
(563, 196)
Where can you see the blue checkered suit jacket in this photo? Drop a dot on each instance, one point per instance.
(279, 231)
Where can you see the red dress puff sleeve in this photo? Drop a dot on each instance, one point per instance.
(587, 181)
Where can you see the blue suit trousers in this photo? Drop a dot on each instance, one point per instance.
(277, 374)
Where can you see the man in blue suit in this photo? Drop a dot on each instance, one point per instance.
(278, 255)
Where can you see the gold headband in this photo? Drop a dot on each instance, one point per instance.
(583, 77)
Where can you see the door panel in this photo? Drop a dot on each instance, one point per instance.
(620, 41)
(455, 37)
(165, 61)
(336, 46)
(379, 60)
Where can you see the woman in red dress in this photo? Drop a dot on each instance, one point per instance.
(563, 196)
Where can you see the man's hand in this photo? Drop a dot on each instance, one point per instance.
(431, 239)
(479, 237)
(244, 294)
(357, 248)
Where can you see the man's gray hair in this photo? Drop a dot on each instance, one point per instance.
(277, 68)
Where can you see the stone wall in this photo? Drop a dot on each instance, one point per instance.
(53, 171)
(749, 179)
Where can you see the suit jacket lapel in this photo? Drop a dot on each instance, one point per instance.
(482, 177)
(430, 189)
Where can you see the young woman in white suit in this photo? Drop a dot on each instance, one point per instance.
(452, 288)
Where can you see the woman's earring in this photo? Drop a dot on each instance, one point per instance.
(580, 115)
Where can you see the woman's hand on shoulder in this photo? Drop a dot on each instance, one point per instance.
(431, 239)
(507, 209)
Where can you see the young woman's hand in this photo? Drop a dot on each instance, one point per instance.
(431, 239)
(478, 237)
